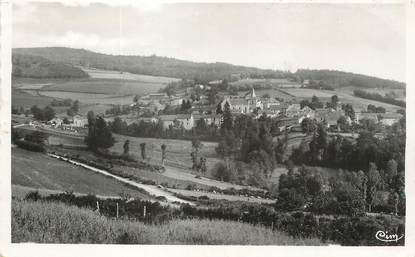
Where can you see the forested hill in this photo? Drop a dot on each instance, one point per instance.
(338, 79)
(38, 67)
(149, 65)
(203, 72)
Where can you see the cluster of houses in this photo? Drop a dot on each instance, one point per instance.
(290, 114)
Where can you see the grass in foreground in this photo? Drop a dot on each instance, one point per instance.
(38, 171)
(43, 222)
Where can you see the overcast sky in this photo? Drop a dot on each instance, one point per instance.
(367, 39)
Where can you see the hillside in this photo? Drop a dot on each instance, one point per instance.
(202, 72)
(30, 66)
(340, 79)
(148, 65)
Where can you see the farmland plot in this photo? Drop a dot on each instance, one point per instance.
(37, 170)
(112, 74)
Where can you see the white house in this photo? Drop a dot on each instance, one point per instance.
(185, 120)
(79, 121)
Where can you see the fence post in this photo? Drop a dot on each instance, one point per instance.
(97, 206)
(117, 210)
(144, 211)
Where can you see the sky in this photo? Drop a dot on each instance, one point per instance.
(360, 38)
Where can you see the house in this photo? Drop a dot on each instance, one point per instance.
(388, 119)
(330, 117)
(158, 96)
(366, 116)
(155, 107)
(268, 113)
(306, 112)
(210, 119)
(270, 102)
(175, 100)
(79, 121)
(293, 110)
(56, 122)
(177, 121)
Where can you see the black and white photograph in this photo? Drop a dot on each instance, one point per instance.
(243, 124)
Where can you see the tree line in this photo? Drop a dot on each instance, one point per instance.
(378, 97)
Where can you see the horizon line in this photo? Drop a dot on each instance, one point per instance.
(206, 62)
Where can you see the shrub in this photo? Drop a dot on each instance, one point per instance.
(35, 147)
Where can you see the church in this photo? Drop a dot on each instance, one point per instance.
(246, 104)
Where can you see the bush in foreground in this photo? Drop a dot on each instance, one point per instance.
(59, 223)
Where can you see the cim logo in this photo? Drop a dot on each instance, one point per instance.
(386, 237)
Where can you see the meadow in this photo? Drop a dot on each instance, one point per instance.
(27, 100)
(112, 74)
(359, 104)
(275, 83)
(38, 171)
(45, 222)
(106, 86)
(178, 151)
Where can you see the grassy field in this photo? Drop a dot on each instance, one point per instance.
(273, 93)
(36, 170)
(26, 100)
(345, 96)
(178, 151)
(43, 222)
(112, 74)
(276, 83)
(89, 98)
(106, 86)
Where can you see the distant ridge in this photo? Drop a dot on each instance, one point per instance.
(201, 72)
(148, 65)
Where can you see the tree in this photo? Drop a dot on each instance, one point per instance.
(373, 181)
(70, 112)
(135, 99)
(99, 134)
(36, 137)
(222, 172)
(227, 121)
(371, 108)
(304, 103)
(380, 109)
(342, 124)
(48, 113)
(308, 126)
(75, 106)
(143, 150)
(391, 171)
(227, 145)
(126, 147)
(334, 101)
(318, 144)
(219, 109)
(163, 153)
(196, 145)
(315, 103)
(118, 126)
(212, 96)
(349, 111)
(203, 165)
(281, 148)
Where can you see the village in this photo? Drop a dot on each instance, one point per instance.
(184, 109)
